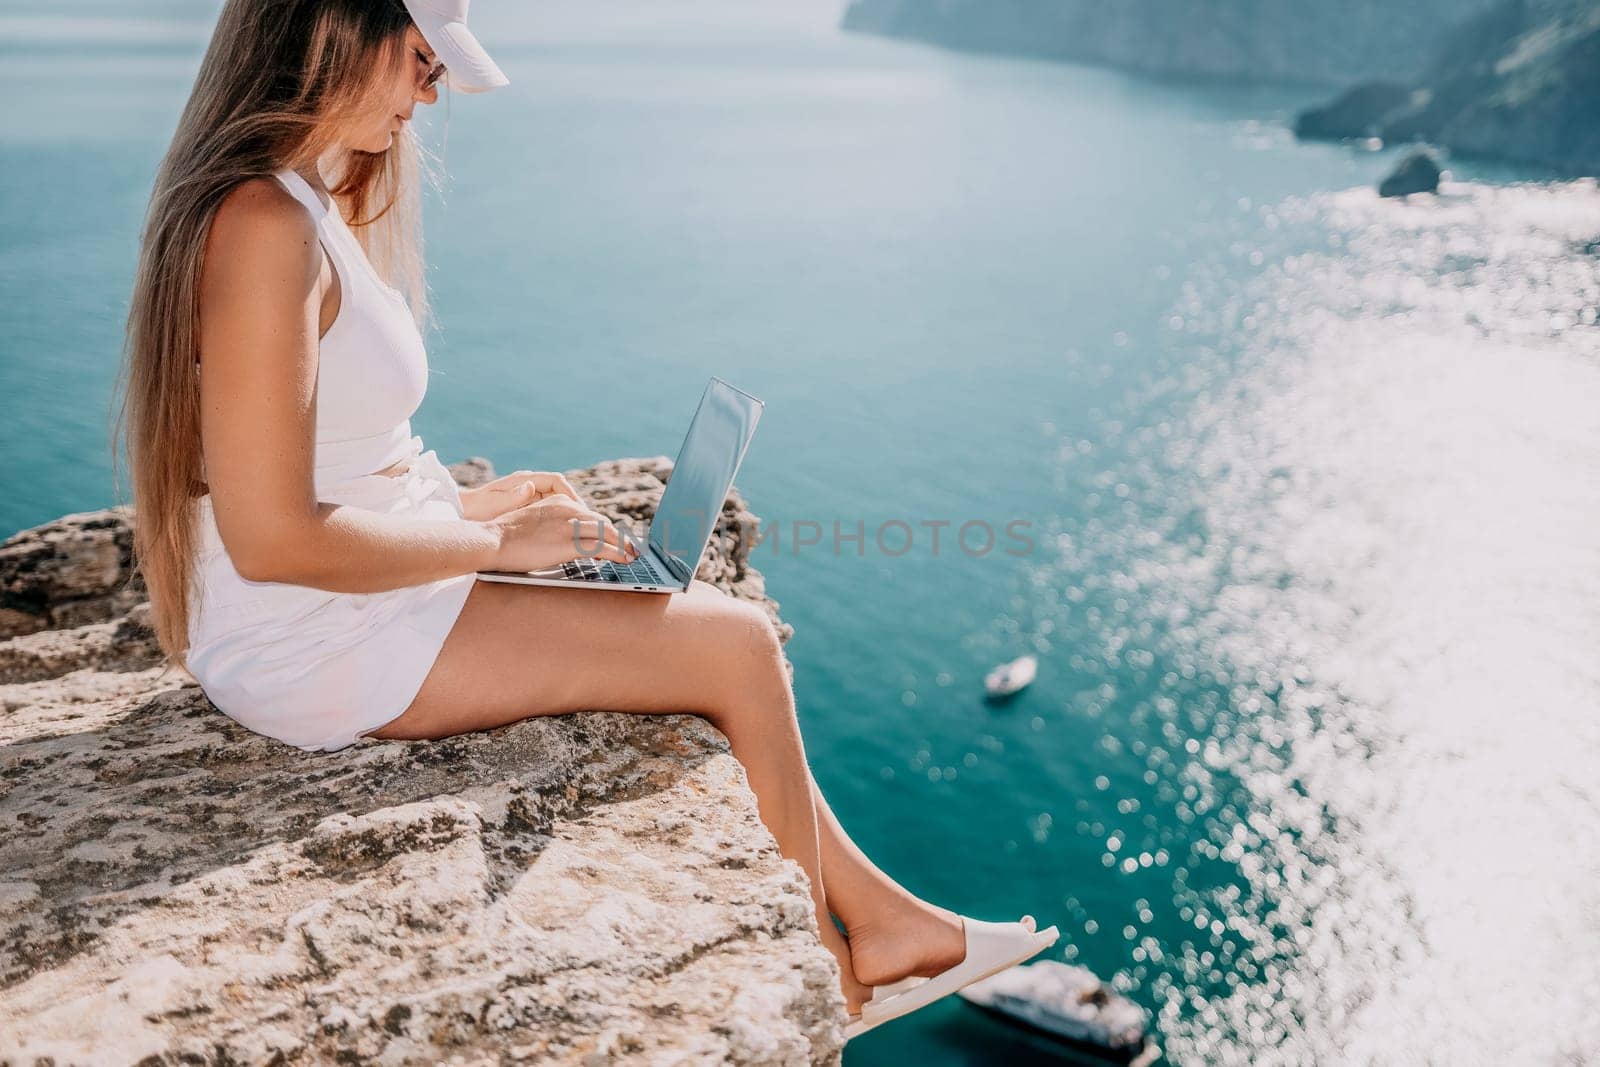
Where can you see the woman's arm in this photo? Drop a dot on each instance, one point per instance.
(261, 293)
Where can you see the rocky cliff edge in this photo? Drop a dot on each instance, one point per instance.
(585, 889)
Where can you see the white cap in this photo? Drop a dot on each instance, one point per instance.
(467, 67)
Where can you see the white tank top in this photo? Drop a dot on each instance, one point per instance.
(372, 368)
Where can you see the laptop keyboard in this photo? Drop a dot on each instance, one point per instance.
(640, 572)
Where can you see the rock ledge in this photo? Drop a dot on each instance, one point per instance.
(585, 889)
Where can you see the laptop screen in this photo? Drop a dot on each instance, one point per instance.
(722, 427)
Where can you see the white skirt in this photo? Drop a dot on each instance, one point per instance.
(315, 668)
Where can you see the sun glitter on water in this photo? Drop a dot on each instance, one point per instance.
(1352, 570)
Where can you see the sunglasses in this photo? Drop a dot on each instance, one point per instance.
(435, 71)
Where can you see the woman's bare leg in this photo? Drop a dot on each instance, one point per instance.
(519, 651)
(892, 932)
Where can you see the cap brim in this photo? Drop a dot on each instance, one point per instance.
(467, 67)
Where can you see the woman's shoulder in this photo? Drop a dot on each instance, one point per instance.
(259, 225)
(261, 208)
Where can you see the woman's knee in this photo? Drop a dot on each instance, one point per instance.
(746, 642)
(758, 637)
(744, 621)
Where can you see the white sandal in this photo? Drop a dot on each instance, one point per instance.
(991, 948)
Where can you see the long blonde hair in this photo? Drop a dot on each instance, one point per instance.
(279, 79)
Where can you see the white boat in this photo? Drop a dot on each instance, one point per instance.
(1067, 1003)
(1010, 677)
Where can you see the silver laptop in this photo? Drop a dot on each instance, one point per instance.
(707, 462)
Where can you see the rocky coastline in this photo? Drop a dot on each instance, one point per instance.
(1231, 40)
(1521, 82)
(1502, 79)
(585, 889)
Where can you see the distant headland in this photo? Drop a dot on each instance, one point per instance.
(1507, 79)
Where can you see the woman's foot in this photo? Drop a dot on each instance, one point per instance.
(908, 938)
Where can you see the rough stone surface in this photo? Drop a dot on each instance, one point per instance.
(583, 889)
(69, 572)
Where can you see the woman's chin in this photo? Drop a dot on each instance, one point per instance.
(375, 145)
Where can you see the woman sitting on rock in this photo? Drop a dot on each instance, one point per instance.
(314, 568)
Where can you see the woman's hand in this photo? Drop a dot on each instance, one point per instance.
(492, 499)
(552, 531)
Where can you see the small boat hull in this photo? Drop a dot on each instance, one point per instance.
(1133, 1055)
(1067, 1005)
(1011, 678)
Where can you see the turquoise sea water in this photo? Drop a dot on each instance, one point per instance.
(1309, 479)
